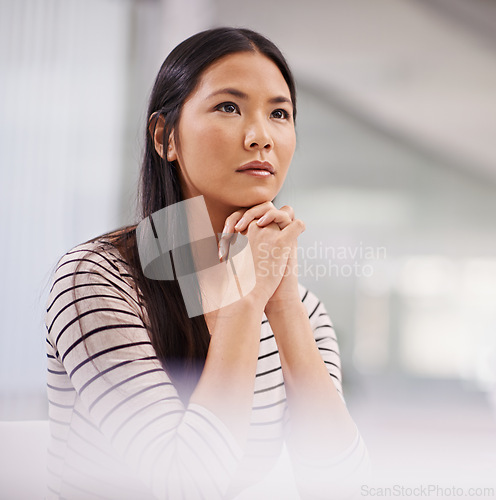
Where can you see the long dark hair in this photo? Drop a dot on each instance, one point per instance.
(181, 342)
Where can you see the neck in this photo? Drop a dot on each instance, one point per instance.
(218, 214)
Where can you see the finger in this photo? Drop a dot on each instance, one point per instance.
(280, 217)
(223, 249)
(253, 213)
(289, 210)
(232, 220)
(230, 242)
(228, 233)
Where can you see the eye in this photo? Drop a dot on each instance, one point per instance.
(227, 107)
(280, 114)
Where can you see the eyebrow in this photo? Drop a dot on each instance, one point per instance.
(242, 95)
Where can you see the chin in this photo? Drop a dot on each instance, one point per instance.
(254, 198)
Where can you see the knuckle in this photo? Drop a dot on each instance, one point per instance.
(252, 212)
(257, 210)
(264, 208)
(279, 215)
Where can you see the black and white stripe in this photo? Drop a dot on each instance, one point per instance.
(118, 426)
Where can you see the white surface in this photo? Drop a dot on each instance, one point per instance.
(23, 459)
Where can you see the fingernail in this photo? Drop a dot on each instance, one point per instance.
(221, 254)
(222, 249)
(261, 220)
(226, 229)
(239, 223)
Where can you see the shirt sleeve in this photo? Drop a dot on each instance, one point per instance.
(96, 328)
(339, 476)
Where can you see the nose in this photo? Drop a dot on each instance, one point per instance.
(257, 136)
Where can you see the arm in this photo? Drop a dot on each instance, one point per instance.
(323, 436)
(226, 384)
(313, 398)
(321, 424)
(327, 451)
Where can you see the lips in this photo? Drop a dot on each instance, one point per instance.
(254, 166)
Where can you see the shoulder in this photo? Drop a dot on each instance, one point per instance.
(93, 262)
(87, 269)
(98, 256)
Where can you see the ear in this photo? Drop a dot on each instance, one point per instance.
(171, 148)
(156, 129)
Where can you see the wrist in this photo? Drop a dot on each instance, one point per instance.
(255, 300)
(283, 305)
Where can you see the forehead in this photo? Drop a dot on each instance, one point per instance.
(246, 71)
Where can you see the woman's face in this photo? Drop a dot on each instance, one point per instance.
(240, 112)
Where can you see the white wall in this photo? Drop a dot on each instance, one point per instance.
(63, 83)
(75, 80)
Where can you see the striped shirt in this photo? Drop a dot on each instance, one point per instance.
(118, 427)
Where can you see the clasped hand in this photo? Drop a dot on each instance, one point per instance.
(272, 234)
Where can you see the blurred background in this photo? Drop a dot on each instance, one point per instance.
(394, 176)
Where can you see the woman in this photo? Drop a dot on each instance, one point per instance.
(146, 400)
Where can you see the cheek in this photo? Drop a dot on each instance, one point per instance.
(221, 134)
(288, 147)
(209, 139)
